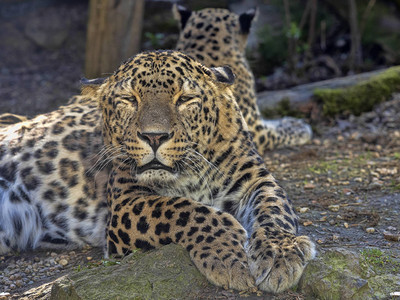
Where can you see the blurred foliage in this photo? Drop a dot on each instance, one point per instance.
(272, 48)
(155, 39)
(273, 42)
(380, 33)
(375, 34)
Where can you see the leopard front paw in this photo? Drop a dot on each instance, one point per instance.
(219, 254)
(225, 268)
(278, 259)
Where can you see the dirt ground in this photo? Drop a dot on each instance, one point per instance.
(345, 185)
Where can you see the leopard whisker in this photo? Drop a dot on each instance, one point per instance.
(99, 155)
(201, 158)
(103, 153)
(197, 171)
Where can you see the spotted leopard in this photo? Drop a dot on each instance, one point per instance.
(185, 171)
(7, 119)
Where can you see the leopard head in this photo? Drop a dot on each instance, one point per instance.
(211, 30)
(161, 109)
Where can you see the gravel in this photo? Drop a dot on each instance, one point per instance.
(20, 272)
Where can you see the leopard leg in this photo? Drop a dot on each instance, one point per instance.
(277, 257)
(214, 239)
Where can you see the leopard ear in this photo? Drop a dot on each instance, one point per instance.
(223, 75)
(246, 18)
(90, 86)
(181, 14)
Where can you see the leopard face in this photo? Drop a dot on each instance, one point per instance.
(162, 113)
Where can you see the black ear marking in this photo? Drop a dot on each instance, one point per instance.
(91, 86)
(245, 20)
(223, 74)
(95, 81)
(181, 14)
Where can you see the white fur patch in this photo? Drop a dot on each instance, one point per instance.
(15, 216)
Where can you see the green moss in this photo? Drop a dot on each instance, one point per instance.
(394, 186)
(380, 262)
(334, 275)
(282, 109)
(361, 97)
(324, 167)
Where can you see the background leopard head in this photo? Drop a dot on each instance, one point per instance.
(213, 31)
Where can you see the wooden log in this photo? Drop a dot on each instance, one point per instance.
(113, 35)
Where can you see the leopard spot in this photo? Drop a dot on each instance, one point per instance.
(142, 226)
(124, 237)
(145, 245)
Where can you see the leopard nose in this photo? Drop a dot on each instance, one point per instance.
(155, 139)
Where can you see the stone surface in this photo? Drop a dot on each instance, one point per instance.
(340, 274)
(167, 273)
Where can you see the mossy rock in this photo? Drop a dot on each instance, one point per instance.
(362, 96)
(167, 273)
(341, 274)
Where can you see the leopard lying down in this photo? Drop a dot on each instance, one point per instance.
(183, 169)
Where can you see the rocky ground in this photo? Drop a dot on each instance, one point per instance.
(345, 186)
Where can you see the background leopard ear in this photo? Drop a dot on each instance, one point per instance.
(181, 14)
(90, 86)
(223, 75)
(246, 18)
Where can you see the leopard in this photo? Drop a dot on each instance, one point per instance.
(51, 194)
(218, 37)
(186, 171)
(182, 168)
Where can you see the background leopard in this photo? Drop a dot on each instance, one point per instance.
(53, 174)
(218, 37)
(185, 171)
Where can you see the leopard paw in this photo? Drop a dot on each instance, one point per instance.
(228, 270)
(220, 254)
(278, 259)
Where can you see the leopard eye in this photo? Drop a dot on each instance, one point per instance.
(131, 99)
(185, 99)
